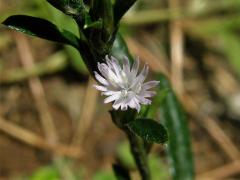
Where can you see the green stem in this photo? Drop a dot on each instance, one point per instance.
(121, 120)
(139, 154)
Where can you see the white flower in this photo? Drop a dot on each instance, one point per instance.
(123, 85)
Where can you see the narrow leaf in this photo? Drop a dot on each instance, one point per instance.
(58, 4)
(121, 7)
(41, 28)
(179, 148)
(149, 130)
(120, 49)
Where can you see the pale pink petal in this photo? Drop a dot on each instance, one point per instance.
(126, 65)
(150, 84)
(135, 67)
(123, 85)
(100, 88)
(138, 107)
(142, 76)
(112, 98)
(117, 104)
(147, 94)
(101, 79)
(109, 93)
(143, 100)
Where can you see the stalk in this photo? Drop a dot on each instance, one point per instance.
(121, 120)
(139, 154)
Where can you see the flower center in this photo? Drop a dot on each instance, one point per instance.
(135, 89)
(124, 93)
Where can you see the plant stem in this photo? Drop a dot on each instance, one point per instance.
(121, 120)
(139, 154)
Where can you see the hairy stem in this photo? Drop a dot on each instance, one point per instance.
(139, 154)
(121, 120)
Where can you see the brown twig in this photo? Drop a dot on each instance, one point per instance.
(222, 172)
(52, 64)
(38, 93)
(34, 140)
(219, 136)
(37, 90)
(177, 54)
(153, 61)
(210, 124)
(87, 113)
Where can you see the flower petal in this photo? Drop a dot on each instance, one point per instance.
(150, 84)
(115, 64)
(143, 100)
(103, 70)
(135, 67)
(142, 76)
(101, 79)
(109, 93)
(123, 85)
(100, 88)
(117, 104)
(111, 98)
(138, 107)
(126, 65)
(147, 93)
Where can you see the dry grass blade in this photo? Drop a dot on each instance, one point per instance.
(87, 113)
(36, 87)
(34, 140)
(153, 61)
(54, 63)
(38, 93)
(222, 172)
(210, 124)
(177, 51)
(223, 140)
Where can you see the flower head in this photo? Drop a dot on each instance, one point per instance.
(123, 85)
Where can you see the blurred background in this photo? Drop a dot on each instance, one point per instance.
(53, 124)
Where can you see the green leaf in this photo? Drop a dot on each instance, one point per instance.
(120, 49)
(41, 28)
(121, 7)
(152, 110)
(120, 172)
(58, 4)
(179, 147)
(76, 60)
(69, 7)
(149, 130)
